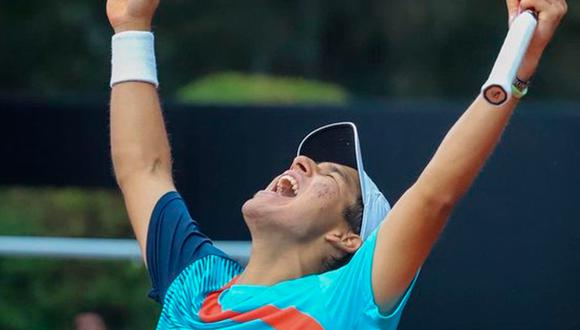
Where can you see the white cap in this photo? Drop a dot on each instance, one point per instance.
(339, 143)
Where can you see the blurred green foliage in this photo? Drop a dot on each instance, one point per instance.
(41, 293)
(376, 48)
(239, 88)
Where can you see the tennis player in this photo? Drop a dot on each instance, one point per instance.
(327, 250)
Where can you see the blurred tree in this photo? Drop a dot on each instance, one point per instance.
(237, 88)
(373, 48)
(39, 293)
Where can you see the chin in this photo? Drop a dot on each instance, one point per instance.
(265, 203)
(265, 211)
(255, 210)
(249, 209)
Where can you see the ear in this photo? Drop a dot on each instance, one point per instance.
(347, 242)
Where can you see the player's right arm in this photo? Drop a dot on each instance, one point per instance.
(139, 145)
(415, 222)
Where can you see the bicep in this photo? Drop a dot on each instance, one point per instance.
(404, 242)
(141, 193)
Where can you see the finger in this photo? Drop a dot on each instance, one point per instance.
(548, 10)
(562, 6)
(538, 6)
(565, 5)
(512, 7)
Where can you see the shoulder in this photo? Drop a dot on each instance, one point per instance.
(175, 243)
(208, 274)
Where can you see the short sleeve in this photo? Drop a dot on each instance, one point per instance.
(174, 241)
(352, 284)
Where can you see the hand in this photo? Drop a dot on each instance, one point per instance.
(125, 15)
(550, 13)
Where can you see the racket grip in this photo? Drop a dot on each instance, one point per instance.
(498, 87)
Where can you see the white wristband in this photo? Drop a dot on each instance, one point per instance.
(133, 57)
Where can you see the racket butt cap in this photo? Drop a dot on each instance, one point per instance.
(495, 94)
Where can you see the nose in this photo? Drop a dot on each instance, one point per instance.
(304, 165)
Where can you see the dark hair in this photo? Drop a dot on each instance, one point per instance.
(353, 216)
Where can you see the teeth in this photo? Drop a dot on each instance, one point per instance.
(285, 182)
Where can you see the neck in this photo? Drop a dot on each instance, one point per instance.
(272, 262)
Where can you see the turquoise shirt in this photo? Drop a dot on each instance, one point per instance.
(204, 296)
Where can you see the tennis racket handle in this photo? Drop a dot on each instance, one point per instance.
(498, 87)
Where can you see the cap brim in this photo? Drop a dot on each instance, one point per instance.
(339, 143)
(336, 143)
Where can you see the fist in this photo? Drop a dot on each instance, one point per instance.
(550, 13)
(125, 15)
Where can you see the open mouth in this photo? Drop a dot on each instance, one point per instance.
(286, 186)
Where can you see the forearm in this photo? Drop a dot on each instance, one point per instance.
(414, 223)
(469, 143)
(139, 143)
(465, 149)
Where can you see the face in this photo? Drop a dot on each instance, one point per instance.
(304, 202)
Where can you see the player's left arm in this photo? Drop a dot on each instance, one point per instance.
(416, 220)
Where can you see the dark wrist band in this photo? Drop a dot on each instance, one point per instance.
(519, 87)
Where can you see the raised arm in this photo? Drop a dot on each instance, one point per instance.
(139, 145)
(416, 220)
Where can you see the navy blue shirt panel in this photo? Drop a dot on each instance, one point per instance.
(174, 241)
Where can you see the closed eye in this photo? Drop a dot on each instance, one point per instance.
(333, 174)
(331, 170)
